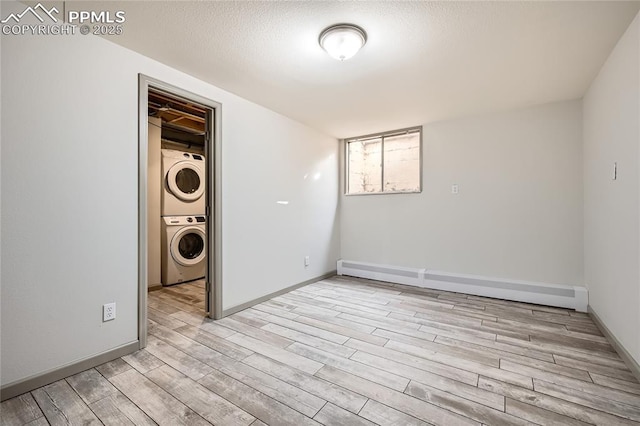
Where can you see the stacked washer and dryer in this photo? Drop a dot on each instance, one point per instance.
(184, 238)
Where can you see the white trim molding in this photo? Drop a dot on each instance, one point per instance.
(19, 387)
(563, 296)
(617, 345)
(269, 296)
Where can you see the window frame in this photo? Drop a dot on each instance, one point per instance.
(382, 136)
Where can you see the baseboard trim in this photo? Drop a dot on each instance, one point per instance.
(564, 296)
(154, 287)
(38, 380)
(617, 345)
(251, 303)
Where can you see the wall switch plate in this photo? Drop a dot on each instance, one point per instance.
(454, 188)
(108, 312)
(306, 261)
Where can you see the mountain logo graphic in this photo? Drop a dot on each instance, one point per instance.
(34, 11)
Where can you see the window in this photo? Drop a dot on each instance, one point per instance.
(384, 163)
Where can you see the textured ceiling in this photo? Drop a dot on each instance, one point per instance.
(423, 62)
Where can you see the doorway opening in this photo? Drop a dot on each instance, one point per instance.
(179, 201)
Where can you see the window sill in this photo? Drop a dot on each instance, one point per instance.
(382, 193)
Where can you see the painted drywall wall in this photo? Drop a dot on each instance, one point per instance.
(154, 210)
(611, 214)
(518, 213)
(70, 203)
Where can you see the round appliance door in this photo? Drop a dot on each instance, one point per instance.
(188, 246)
(186, 181)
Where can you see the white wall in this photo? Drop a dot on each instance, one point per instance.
(154, 204)
(518, 214)
(69, 197)
(611, 214)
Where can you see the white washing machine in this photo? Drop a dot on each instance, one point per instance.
(184, 254)
(184, 177)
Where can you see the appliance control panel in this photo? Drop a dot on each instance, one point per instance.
(184, 220)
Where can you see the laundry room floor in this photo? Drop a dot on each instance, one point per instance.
(350, 352)
(188, 297)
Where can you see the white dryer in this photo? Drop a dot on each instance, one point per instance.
(184, 253)
(184, 177)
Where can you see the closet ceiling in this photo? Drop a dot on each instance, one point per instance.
(177, 114)
(424, 61)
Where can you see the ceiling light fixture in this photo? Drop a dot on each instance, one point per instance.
(342, 41)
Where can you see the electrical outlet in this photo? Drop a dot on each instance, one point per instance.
(306, 261)
(454, 188)
(108, 312)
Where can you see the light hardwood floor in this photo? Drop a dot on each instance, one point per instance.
(350, 352)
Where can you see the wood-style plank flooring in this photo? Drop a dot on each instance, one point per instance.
(346, 351)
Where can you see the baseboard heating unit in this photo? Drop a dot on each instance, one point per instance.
(563, 296)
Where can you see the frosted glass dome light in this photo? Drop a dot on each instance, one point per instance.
(342, 41)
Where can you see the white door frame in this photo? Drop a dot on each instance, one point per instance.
(213, 152)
